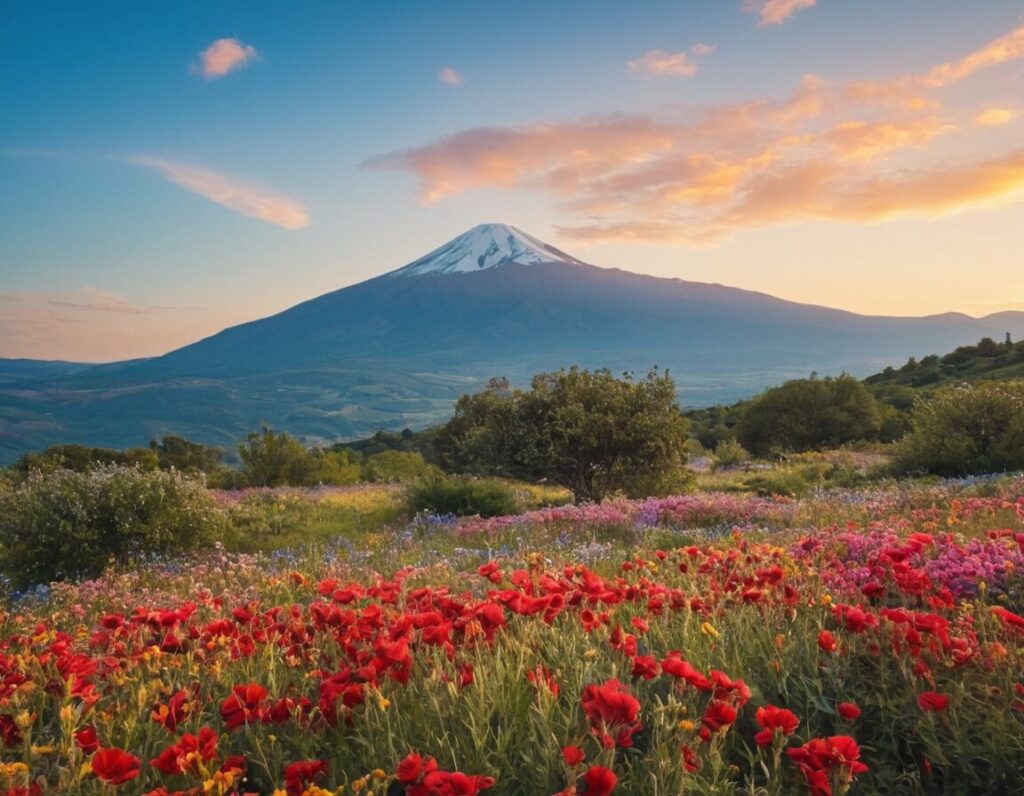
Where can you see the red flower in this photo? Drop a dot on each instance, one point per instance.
(244, 706)
(302, 773)
(717, 717)
(932, 701)
(612, 706)
(115, 766)
(827, 641)
(572, 755)
(1009, 618)
(181, 757)
(86, 739)
(645, 666)
(773, 718)
(412, 767)
(691, 761)
(683, 670)
(600, 781)
(849, 711)
(819, 757)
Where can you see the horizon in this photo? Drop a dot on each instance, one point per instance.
(414, 261)
(166, 174)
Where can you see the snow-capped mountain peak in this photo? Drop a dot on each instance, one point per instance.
(486, 246)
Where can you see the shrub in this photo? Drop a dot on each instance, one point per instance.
(966, 429)
(729, 453)
(69, 524)
(810, 414)
(274, 458)
(400, 466)
(464, 497)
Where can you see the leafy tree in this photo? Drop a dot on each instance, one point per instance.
(182, 454)
(588, 431)
(274, 458)
(810, 414)
(396, 466)
(338, 467)
(967, 429)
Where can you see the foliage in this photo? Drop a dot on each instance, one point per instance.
(967, 429)
(81, 458)
(486, 497)
(406, 441)
(588, 431)
(728, 453)
(337, 467)
(396, 466)
(68, 524)
(182, 454)
(273, 458)
(810, 414)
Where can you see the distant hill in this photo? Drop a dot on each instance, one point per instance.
(396, 351)
(988, 360)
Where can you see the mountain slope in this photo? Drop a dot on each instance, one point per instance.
(396, 350)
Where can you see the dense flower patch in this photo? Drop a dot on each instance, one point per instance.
(880, 657)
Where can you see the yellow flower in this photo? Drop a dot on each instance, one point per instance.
(379, 773)
(686, 725)
(708, 629)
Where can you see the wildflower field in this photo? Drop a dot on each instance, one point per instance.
(853, 641)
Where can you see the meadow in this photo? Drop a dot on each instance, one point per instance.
(863, 640)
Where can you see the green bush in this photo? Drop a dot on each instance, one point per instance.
(966, 429)
(728, 453)
(275, 458)
(810, 414)
(463, 497)
(396, 466)
(68, 524)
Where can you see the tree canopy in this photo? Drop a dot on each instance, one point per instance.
(588, 431)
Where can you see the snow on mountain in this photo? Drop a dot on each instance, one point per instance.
(486, 246)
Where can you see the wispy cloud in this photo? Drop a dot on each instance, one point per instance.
(451, 76)
(849, 151)
(240, 194)
(993, 117)
(224, 56)
(775, 12)
(659, 63)
(102, 301)
(93, 325)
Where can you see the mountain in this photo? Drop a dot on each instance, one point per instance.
(398, 349)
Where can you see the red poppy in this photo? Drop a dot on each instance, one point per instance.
(302, 773)
(849, 711)
(572, 755)
(244, 706)
(932, 701)
(600, 781)
(827, 641)
(115, 766)
(87, 739)
(691, 761)
(772, 718)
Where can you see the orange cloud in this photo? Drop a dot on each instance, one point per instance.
(775, 12)
(838, 151)
(993, 117)
(224, 56)
(234, 193)
(659, 63)
(450, 76)
(1005, 48)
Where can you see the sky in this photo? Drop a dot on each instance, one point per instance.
(170, 169)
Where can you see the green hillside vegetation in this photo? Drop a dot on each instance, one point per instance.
(819, 413)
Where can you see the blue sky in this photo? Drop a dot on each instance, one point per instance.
(112, 142)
